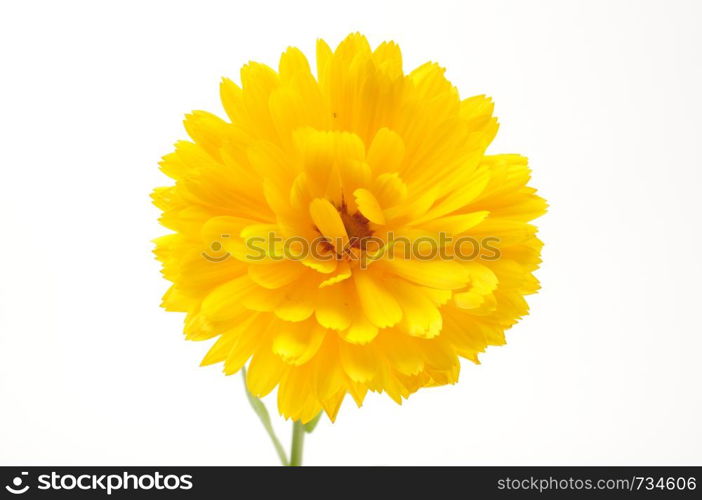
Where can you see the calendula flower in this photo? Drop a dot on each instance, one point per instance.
(346, 232)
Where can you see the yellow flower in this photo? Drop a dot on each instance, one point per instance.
(307, 228)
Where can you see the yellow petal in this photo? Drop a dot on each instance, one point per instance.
(324, 56)
(258, 82)
(464, 194)
(420, 316)
(230, 94)
(292, 62)
(332, 308)
(328, 221)
(325, 264)
(207, 130)
(295, 391)
(361, 331)
(332, 404)
(275, 274)
(225, 301)
(343, 272)
(246, 344)
(219, 350)
(369, 206)
(264, 372)
(329, 376)
(378, 304)
(482, 278)
(359, 362)
(437, 353)
(263, 299)
(298, 300)
(296, 343)
(389, 189)
(386, 153)
(455, 224)
(389, 59)
(442, 274)
(403, 356)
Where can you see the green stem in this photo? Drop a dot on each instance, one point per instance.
(298, 440)
(265, 419)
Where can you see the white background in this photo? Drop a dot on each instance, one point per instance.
(603, 97)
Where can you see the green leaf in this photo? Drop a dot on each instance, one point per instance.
(309, 426)
(265, 419)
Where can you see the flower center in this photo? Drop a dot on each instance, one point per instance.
(356, 227)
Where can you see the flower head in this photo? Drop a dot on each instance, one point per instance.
(347, 232)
